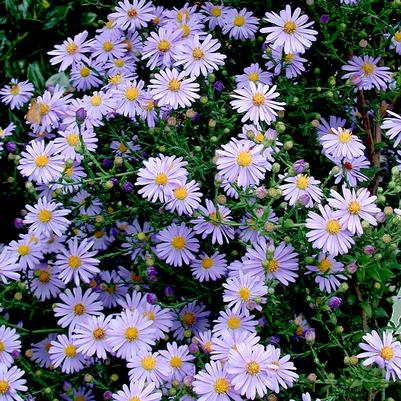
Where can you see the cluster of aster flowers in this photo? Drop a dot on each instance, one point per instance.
(144, 67)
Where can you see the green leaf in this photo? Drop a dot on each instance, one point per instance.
(35, 75)
(56, 15)
(60, 79)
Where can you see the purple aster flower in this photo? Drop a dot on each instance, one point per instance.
(327, 233)
(108, 45)
(341, 143)
(349, 170)
(240, 290)
(301, 185)
(185, 198)
(77, 307)
(160, 176)
(170, 87)
(177, 245)
(98, 105)
(326, 127)
(128, 98)
(138, 390)
(291, 63)
(214, 383)
(199, 57)
(63, 352)
(291, 30)
(241, 162)
(179, 361)
(280, 263)
(9, 344)
(133, 15)
(240, 25)
(384, 352)
(254, 74)
(11, 382)
(392, 125)
(205, 268)
(193, 317)
(81, 393)
(129, 333)
(40, 351)
(214, 14)
(76, 262)
(256, 102)
(71, 51)
(248, 367)
(352, 207)
(366, 74)
(328, 272)
(396, 42)
(214, 220)
(8, 266)
(16, 94)
(234, 322)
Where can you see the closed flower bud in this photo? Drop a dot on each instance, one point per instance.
(310, 336)
(299, 166)
(334, 302)
(261, 192)
(312, 377)
(280, 127)
(288, 145)
(221, 199)
(368, 249)
(343, 287)
(380, 217)
(352, 268)
(353, 360)
(339, 329)
(386, 238)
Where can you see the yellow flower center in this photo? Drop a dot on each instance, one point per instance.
(258, 99)
(99, 234)
(71, 48)
(84, 72)
(252, 368)
(136, 398)
(132, 13)
(96, 100)
(259, 137)
(72, 139)
(79, 309)
(290, 27)
(288, 58)
(122, 148)
(74, 262)
(23, 250)
(148, 105)
(174, 85)
(244, 159)
(43, 276)
(175, 362)
(239, 20)
(98, 334)
(79, 398)
(131, 333)
(44, 216)
(324, 265)
(4, 387)
(150, 315)
(108, 46)
(119, 63)
(216, 220)
(387, 353)
(44, 109)
(181, 14)
(368, 68)
(302, 182)
(197, 53)
(333, 227)
(14, 90)
(354, 207)
(41, 161)
(161, 179)
(215, 11)
(180, 193)
(188, 318)
(178, 242)
(344, 136)
(131, 93)
(164, 45)
(2, 346)
(397, 36)
(115, 79)
(244, 293)
(221, 385)
(186, 29)
(207, 263)
(70, 351)
(233, 322)
(148, 362)
(253, 76)
(273, 265)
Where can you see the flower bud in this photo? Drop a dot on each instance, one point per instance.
(352, 268)
(288, 145)
(368, 249)
(334, 302)
(312, 377)
(261, 192)
(388, 211)
(386, 238)
(280, 127)
(81, 115)
(310, 336)
(380, 217)
(299, 166)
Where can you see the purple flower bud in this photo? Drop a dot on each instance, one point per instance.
(251, 304)
(271, 134)
(261, 192)
(19, 223)
(169, 292)
(352, 268)
(380, 217)
(67, 386)
(128, 187)
(310, 336)
(114, 181)
(151, 270)
(107, 395)
(264, 46)
(15, 354)
(274, 340)
(218, 86)
(334, 302)
(106, 163)
(262, 322)
(303, 200)
(151, 298)
(368, 249)
(188, 381)
(193, 348)
(80, 115)
(324, 18)
(299, 166)
(11, 147)
(196, 117)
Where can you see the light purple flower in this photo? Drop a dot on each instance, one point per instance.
(241, 25)
(16, 94)
(301, 185)
(392, 125)
(133, 15)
